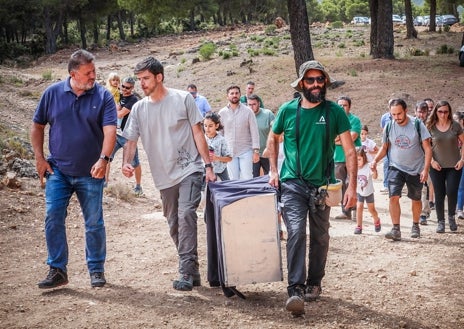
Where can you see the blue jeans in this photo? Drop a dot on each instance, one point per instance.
(241, 166)
(58, 192)
(461, 192)
(120, 142)
(386, 164)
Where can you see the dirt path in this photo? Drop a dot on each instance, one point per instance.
(370, 282)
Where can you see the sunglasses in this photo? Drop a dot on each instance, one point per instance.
(311, 80)
(126, 87)
(443, 112)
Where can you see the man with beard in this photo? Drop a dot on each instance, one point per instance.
(242, 135)
(310, 125)
(169, 124)
(406, 142)
(82, 119)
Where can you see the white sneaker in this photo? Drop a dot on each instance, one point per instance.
(384, 190)
(460, 214)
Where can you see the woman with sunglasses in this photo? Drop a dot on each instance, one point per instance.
(447, 162)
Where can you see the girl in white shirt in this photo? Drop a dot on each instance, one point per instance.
(365, 191)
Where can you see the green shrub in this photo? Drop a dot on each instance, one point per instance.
(226, 55)
(341, 45)
(47, 75)
(268, 52)
(253, 52)
(445, 49)
(337, 25)
(270, 29)
(207, 50)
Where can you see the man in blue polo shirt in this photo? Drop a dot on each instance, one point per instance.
(82, 119)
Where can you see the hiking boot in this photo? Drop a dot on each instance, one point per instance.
(138, 190)
(452, 224)
(358, 230)
(441, 226)
(295, 303)
(394, 234)
(97, 279)
(378, 226)
(460, 214)
(185, 283)
(432, 205)
(312, 293)
(423, 220)
(415, 231)
(55, 278)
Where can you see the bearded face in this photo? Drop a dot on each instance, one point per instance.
(315, 93)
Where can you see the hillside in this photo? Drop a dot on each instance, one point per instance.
(370, 282)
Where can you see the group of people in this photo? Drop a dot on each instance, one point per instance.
(185, 150)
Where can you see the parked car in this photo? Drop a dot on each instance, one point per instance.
(360, 20)
(448, 20)
(397, 19)
(418, 21)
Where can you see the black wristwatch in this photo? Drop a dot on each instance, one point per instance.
(104, 157)
(208, 165)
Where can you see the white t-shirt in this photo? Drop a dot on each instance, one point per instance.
(369, 146)
(365, 185)
(165, 128)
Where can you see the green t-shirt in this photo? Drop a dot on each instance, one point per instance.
(355, 123)
(314, 154)
(243, 99)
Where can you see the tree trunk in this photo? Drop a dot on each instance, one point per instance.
(411, 32)
(382, 42)
(299, 32)
(65, 30)
(52, 29)
(132, 20)
(108, 28)
(433, 14)
(82, 30)
(122, 35)
(96, 34)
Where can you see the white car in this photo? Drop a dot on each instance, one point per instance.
(360, 20)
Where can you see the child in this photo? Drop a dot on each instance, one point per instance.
(365, 191)
(112, 84)
(219, 151)
(369, 146)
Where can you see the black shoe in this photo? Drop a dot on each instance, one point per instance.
(441, 226)
(452, 224)
(295, 303)
(97, 279)
(55, 278)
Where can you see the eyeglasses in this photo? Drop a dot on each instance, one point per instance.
(311, 80)
(126, 87)
(443, 112)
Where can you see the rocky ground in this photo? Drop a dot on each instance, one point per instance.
(370, 282)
